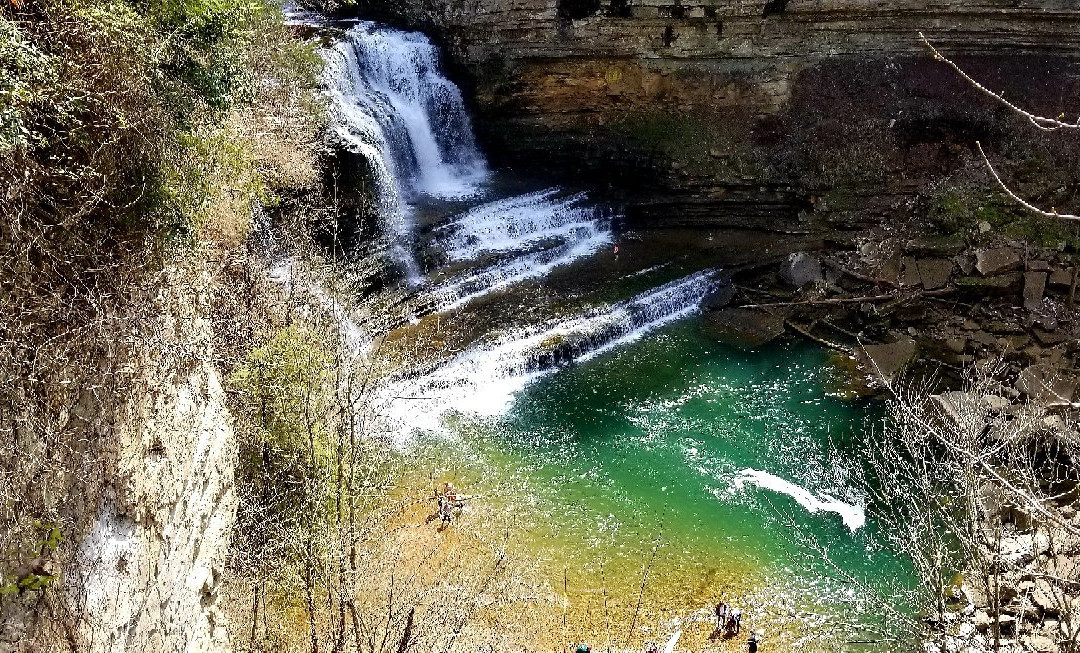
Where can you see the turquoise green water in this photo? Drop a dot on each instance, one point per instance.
(625, 466)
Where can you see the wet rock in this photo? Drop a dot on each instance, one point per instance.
(745, 327)
(1046, 385)
(718, 298)
(888, 359)
(991, 262)
(801, 269)
(1034, 287)
(935, 272)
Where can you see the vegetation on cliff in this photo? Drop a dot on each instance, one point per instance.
(137, 140)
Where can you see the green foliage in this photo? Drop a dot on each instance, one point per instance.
(139, 93)
(23, 68)
(32, 578)
(959, 210)
(286, 385)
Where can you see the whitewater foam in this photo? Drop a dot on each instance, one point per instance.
(483, 381)
(854, 517)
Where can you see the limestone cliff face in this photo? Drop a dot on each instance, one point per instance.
(591, 57)
(144, 497)
(145, 577)
(734, 107)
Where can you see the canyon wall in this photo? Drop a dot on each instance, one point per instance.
(750, 113)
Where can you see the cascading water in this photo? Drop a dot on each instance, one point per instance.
(666, 434)
(392, 105)
(483, 380)
(530, 234)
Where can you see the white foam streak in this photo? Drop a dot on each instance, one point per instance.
(854, 517)
(500, 276)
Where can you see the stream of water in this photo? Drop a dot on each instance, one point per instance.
(581, 394)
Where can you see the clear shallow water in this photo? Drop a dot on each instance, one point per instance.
(640, 447)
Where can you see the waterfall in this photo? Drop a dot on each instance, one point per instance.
(392, 105)
(483, 380)
(519, 222)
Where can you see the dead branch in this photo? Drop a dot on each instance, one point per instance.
(1017, 198)
(851, 300)
(1040, 122)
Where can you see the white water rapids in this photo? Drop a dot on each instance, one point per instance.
(483, 380)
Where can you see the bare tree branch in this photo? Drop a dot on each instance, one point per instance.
(1017, 198)
(1041, 122)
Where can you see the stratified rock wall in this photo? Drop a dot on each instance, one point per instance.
(748, 113)
(620, 48)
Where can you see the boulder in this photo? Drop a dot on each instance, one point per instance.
(934, 272)
(999, 286)
(1061, 277)
(888, 359)
(1045, 597)
(1046, 385)
(960, 407)
(1016, 550)
(935, 246)
(718, 298)
(1034, 287)
(801, 269)
(1039, 643)
(910, 272)
(991, 262)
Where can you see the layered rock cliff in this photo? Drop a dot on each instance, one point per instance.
(140, 488)
(747, 113)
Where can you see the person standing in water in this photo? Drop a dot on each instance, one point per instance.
(721, 615)
(734, 622)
